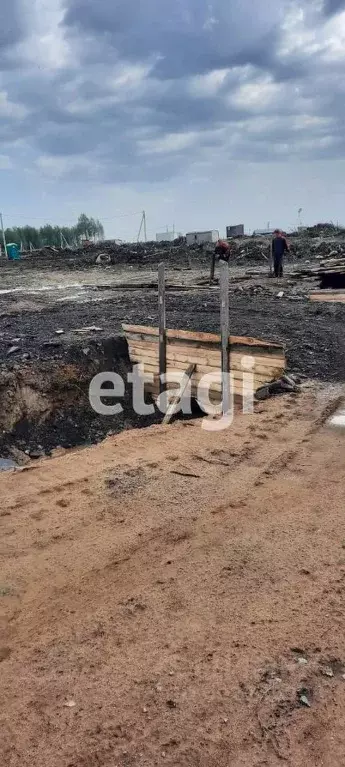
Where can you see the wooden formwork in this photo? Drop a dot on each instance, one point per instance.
(184, 348)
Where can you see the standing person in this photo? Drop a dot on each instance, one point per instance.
(279, 248)
(222, 251)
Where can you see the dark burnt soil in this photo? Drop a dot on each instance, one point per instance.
(44, 404)
(138, 254)
(313, 333)
(44, 377)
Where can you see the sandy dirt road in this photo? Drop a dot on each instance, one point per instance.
(150, 618)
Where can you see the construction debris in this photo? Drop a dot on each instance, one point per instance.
(323, 240)
(330, 273)
(13, 350)
(324, 230)
(103, 258)
(327, 672)
(303, 697)
(287, 384)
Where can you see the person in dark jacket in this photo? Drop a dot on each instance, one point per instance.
(279, 248)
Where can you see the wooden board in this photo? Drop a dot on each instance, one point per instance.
(236, 391)
(215, 395)
(188, 336)
(186, 348)
(216, 377)
(174, 405)
(330, 296)
(211, 350)
(174, 288)
(264, 365)
(190, 347)
(200, 372)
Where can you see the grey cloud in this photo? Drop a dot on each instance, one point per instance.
(333, 6)
(12, 25)
(76, 138)
(11, 131)
(126, 133)
(190, 37)
(12, 31)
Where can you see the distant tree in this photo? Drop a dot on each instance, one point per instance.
(50, 236)
(89, 228)
(83, 227)
(100, 230)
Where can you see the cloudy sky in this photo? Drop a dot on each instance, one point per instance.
(203, 112)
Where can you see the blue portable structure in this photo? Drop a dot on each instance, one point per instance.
(13, 252)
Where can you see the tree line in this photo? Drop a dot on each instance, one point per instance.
(56, 236)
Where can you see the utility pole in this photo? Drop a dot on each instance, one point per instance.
(140, 228)
(3, 235)
(142, 224)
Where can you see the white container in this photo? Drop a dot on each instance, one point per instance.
(198, 238)
(167, 236)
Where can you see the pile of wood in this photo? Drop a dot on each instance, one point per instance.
(331, 273)
(203, 352)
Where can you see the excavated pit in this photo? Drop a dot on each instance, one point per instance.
(44, 404)
(334, 281)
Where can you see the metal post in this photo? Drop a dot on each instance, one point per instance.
(224, 330)
(144, 220)
(3, 235)
(162, 326)
(213, 265)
